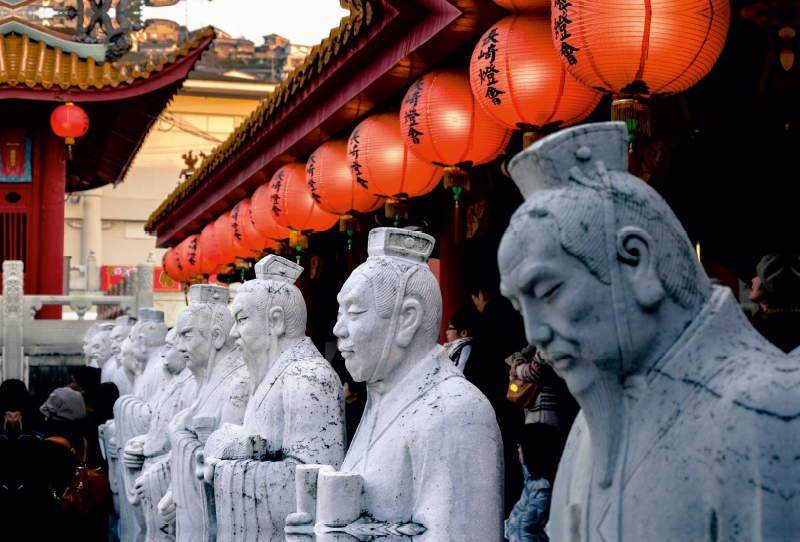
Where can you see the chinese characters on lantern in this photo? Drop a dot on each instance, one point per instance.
(235, 223)
(410, 117)
(312, 183)
(488, 74)
(562, 32)
(276, 197)
(192, 252)
(355, 166)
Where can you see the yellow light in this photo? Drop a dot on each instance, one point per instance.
(513, 387)
(697, 249)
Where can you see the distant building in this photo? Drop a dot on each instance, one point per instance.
(161, 37)
(228, 48)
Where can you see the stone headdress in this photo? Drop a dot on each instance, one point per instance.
(275, 286)
(580, 174)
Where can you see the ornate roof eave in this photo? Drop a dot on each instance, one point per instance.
(389, 44)
(33, 70)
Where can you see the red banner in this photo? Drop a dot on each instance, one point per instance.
(113, 274)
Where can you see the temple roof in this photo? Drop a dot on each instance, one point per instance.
(38, 60)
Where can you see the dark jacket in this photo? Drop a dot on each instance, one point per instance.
(780, 327)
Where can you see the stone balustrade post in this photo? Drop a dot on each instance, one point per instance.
(144, 285)
(13, 312)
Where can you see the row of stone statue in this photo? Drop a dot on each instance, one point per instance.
(690, 420)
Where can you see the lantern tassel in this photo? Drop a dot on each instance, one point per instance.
(397, 206)
(70, 142)
(635, 113)
(529, 138)
(349, 223)
(457, 222)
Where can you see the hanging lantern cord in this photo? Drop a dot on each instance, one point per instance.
(70, 142)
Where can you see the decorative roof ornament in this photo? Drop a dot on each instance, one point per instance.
(206, 293)
(413, 246)
(278, 269)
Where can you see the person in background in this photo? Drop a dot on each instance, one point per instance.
(459, 337)
(776, 290)
(554, 405)
(500, 334)
(540, 446)
(18, 440)
(64, 413)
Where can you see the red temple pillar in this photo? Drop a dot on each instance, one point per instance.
(52, 186)
(454, 269)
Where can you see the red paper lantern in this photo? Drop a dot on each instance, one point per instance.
(518, 6)
(70, 122)
(335, 189)
(262, 216)
(638, 49)
(244, 231)
(442, 125)
(173, 266)
(189, 256)
(378, 156)
(223, 236)
(517, 79)
(212, 256)
(294, 208)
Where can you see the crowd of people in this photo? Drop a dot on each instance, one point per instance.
(47, 453)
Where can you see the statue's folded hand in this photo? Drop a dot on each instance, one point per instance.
(133, 453)
(139, 486)
(166, 508)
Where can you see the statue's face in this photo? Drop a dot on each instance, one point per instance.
(194, 348)
(118, 334)
(99, 349)
(87, 343)
(361, 332)
(250, 329)
(568, 312)
(127, 358)
(173, 360)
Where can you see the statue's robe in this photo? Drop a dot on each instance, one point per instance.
(430, 453)
(711, 446)
(108, 370)
(132, 415)
(224, 397)
(155, 472)
(298, 409)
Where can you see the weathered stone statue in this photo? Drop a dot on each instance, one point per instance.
(98, 348)
(427, 460)
(295, 414)
(147, 457)
(132, 413)
(690, 420)
(120, 330)
(223, 388)
(89, 348)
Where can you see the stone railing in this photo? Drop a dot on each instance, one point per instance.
(25, 340)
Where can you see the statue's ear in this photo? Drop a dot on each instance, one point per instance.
(410, 320)
(218, 338)
(277, 321)
(635, 248)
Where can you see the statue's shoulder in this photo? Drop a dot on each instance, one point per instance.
(454, 393)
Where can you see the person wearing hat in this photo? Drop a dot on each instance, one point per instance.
(64, 413)
(776, 290)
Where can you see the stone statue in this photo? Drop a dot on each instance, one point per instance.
(295, 414)
(427, 459)
(690, 420)
(87, 345)
(120, 330)
(147, 457)
(98, 349)
(223, 387)
(132, 413)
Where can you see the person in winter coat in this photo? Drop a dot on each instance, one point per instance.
(539, 452)
(65, 413)
(776, 290)
(459, 337)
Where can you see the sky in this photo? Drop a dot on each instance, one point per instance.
(304, 22)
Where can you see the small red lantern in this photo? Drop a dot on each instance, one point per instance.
(212, 256)
(243, 230)
(263, 218)
(69, 121)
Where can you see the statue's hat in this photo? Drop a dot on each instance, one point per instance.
(548, 163)
(108, 326)
(279, 269)
(207, 293)
(149, 314)
(412, 246)
(125, 321)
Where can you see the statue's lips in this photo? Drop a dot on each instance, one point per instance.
(559, 360)
(346, 353)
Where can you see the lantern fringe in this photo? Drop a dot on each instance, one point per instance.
(529, 138)
(635, 113)
(397, 206)
(298, 240)
(283, 249)
(455, 177)
(349, 223)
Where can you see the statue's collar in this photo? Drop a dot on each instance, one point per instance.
(304, 348)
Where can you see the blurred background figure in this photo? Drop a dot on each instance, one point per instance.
(459, 337)
(776, 290)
